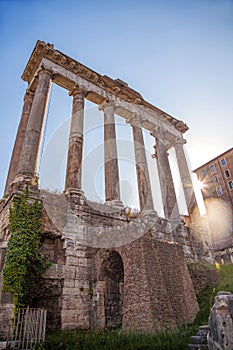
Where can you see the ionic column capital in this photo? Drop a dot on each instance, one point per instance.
(45, 71)
(107, 105)
(135, 120)
(180, 140)
(157, 132)
(77, 92)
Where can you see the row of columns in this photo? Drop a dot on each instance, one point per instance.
(25, 154)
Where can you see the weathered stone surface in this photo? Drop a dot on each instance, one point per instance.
(6, 314)
(28, 98)
(75, 152)
(112, 185)
(49, 298)
(86, 291)
(221, 323)
(152, 294)
(185, 175)
(144, 186)
(67, 69)
(202, 276)
(170, 204)
(29, 155)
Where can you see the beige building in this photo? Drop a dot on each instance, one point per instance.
(216, 177)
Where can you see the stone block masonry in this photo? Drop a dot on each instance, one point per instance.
(142, 286)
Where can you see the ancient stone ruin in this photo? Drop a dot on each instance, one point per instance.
(221, 323)
(108, 269)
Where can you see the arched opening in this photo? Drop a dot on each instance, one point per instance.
(112, 272)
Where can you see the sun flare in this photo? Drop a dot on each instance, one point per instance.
(201, 185)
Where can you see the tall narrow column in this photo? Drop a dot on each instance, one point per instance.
(185, 175)
(75, 152)
(112, 186)
(28, 98)
(144, 187)
(170, 205)
(29, 155)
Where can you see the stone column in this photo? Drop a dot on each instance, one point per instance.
(75, 153)
(28, 99)
(112, 185)
(30, 149)
(144, 187)
(185, 175)
(170, 205)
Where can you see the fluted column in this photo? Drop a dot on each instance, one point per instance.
(75, 151)
(169, 200)
(29, 155)
(28, 99)
(144, 187)
(112, 185)
(185, 175)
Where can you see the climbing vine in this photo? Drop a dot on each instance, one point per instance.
(24, 265)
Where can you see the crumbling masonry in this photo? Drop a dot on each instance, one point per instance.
(109, 269)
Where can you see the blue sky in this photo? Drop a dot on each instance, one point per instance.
(178, 54)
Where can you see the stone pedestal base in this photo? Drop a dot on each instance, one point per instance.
(76, 194)
(115, 203)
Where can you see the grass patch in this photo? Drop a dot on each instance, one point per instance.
(225, 282)
(206, 296)
(205, 300)
(116, 339)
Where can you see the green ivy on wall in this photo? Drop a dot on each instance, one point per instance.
(24, 265)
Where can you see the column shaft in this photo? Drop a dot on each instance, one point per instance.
(170, 205)
(75, 151)
(28, 99)
(185, 176)
(144, 187)
(29, 155)
(112, 185)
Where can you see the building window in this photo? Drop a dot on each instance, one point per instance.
(223, 162)
(212, 168)
(204, 173)
(215, 178)
(219, 191)
(227, 173)
(230, 183)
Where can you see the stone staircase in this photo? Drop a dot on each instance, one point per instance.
(199, 341)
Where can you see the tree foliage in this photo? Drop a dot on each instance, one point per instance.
(24, 265)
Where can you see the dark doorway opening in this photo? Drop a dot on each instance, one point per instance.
(112, 272)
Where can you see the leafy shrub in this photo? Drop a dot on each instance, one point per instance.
(24, 265)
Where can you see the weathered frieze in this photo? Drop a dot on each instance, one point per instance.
(115, 87)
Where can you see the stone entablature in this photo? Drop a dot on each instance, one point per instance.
(68, 72)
